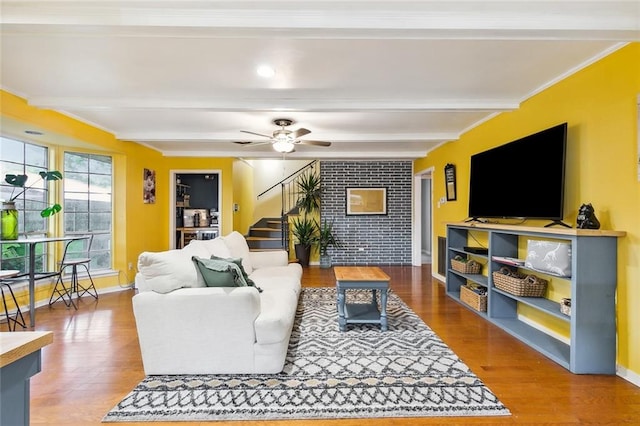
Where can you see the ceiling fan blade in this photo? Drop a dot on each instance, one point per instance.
(249, 143)
(316, 143)
(300, 132)
(257, 134)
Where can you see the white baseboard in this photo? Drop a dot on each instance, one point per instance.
(628, 375)
(106, 290)
(438, 277)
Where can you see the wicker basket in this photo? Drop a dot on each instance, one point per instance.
(473, 299)
(519, 284)
(565, 306)
(462, 265)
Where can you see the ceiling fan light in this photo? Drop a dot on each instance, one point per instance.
(266, 71)
(283, 146)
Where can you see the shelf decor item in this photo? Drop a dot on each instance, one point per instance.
(519, 284)
(465, 265)
(565, 306)
(473, 299)
(549, 257)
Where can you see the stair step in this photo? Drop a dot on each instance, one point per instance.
(262, 238)
(259, 243)
(265, 232)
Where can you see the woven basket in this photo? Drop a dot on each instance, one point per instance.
(475, 300)
(519, 284)
(565, 306)
(469, 267)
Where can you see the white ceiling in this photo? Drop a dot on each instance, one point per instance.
(378, 79)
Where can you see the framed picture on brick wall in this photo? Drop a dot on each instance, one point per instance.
(366, 201)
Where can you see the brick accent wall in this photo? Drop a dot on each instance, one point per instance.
(370, 239)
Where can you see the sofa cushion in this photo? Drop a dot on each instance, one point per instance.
(215, 247)
(169, 270)
(238, 262)
(219, 272)
(238, 247)
(277, 312)
(278, 277)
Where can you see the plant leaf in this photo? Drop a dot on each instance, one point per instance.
(51, 175)
(51, 210)
(16, 180)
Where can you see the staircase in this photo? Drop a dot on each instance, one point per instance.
(266, 234)
(273, 233)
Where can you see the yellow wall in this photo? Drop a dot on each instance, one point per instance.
(243, 195)
(600, 103)
(137, 227)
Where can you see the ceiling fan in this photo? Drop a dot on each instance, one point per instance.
(284, 140)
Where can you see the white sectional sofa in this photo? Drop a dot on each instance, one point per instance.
(185, 327)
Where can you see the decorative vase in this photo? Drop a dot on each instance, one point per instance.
(9, 221)
(325, 261)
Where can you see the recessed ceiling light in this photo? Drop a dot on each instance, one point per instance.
(266, 71)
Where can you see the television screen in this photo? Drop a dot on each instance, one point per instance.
(521, 179)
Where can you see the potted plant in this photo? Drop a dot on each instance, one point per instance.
(325, 238)
(304, 228)
(304, 232)
(10, 214)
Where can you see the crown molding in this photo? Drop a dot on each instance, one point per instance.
(560, 19)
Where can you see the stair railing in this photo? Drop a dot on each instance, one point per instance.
(289, 198)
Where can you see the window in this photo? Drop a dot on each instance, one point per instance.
(22, 158)
(88, 202)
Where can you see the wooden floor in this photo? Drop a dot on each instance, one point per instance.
(95, 361)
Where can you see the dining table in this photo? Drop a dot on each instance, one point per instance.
(32, 242)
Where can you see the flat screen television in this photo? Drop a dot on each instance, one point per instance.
(521, 179)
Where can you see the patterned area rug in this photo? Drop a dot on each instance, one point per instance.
(405, 372)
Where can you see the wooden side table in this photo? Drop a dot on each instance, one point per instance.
(362, 278)
(20, 359)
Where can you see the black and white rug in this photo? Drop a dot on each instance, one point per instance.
(405, 372)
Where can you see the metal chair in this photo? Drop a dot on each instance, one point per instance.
(17, 318)
(60, 290)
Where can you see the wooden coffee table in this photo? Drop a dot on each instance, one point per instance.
(362, 278)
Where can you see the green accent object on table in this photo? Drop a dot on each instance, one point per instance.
(9, 221)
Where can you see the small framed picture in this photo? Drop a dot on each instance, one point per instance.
(149, 187)
(450, 180)
(366, 201)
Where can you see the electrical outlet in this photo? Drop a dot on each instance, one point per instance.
(130, 266)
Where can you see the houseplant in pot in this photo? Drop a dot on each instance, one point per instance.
(304, 232)
(9, 214)
(325, 238)
(303, 227)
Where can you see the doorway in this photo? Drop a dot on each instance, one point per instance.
(423, 218)
(194, 194)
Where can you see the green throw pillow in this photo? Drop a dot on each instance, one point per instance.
(238, 262)
(219, 273)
